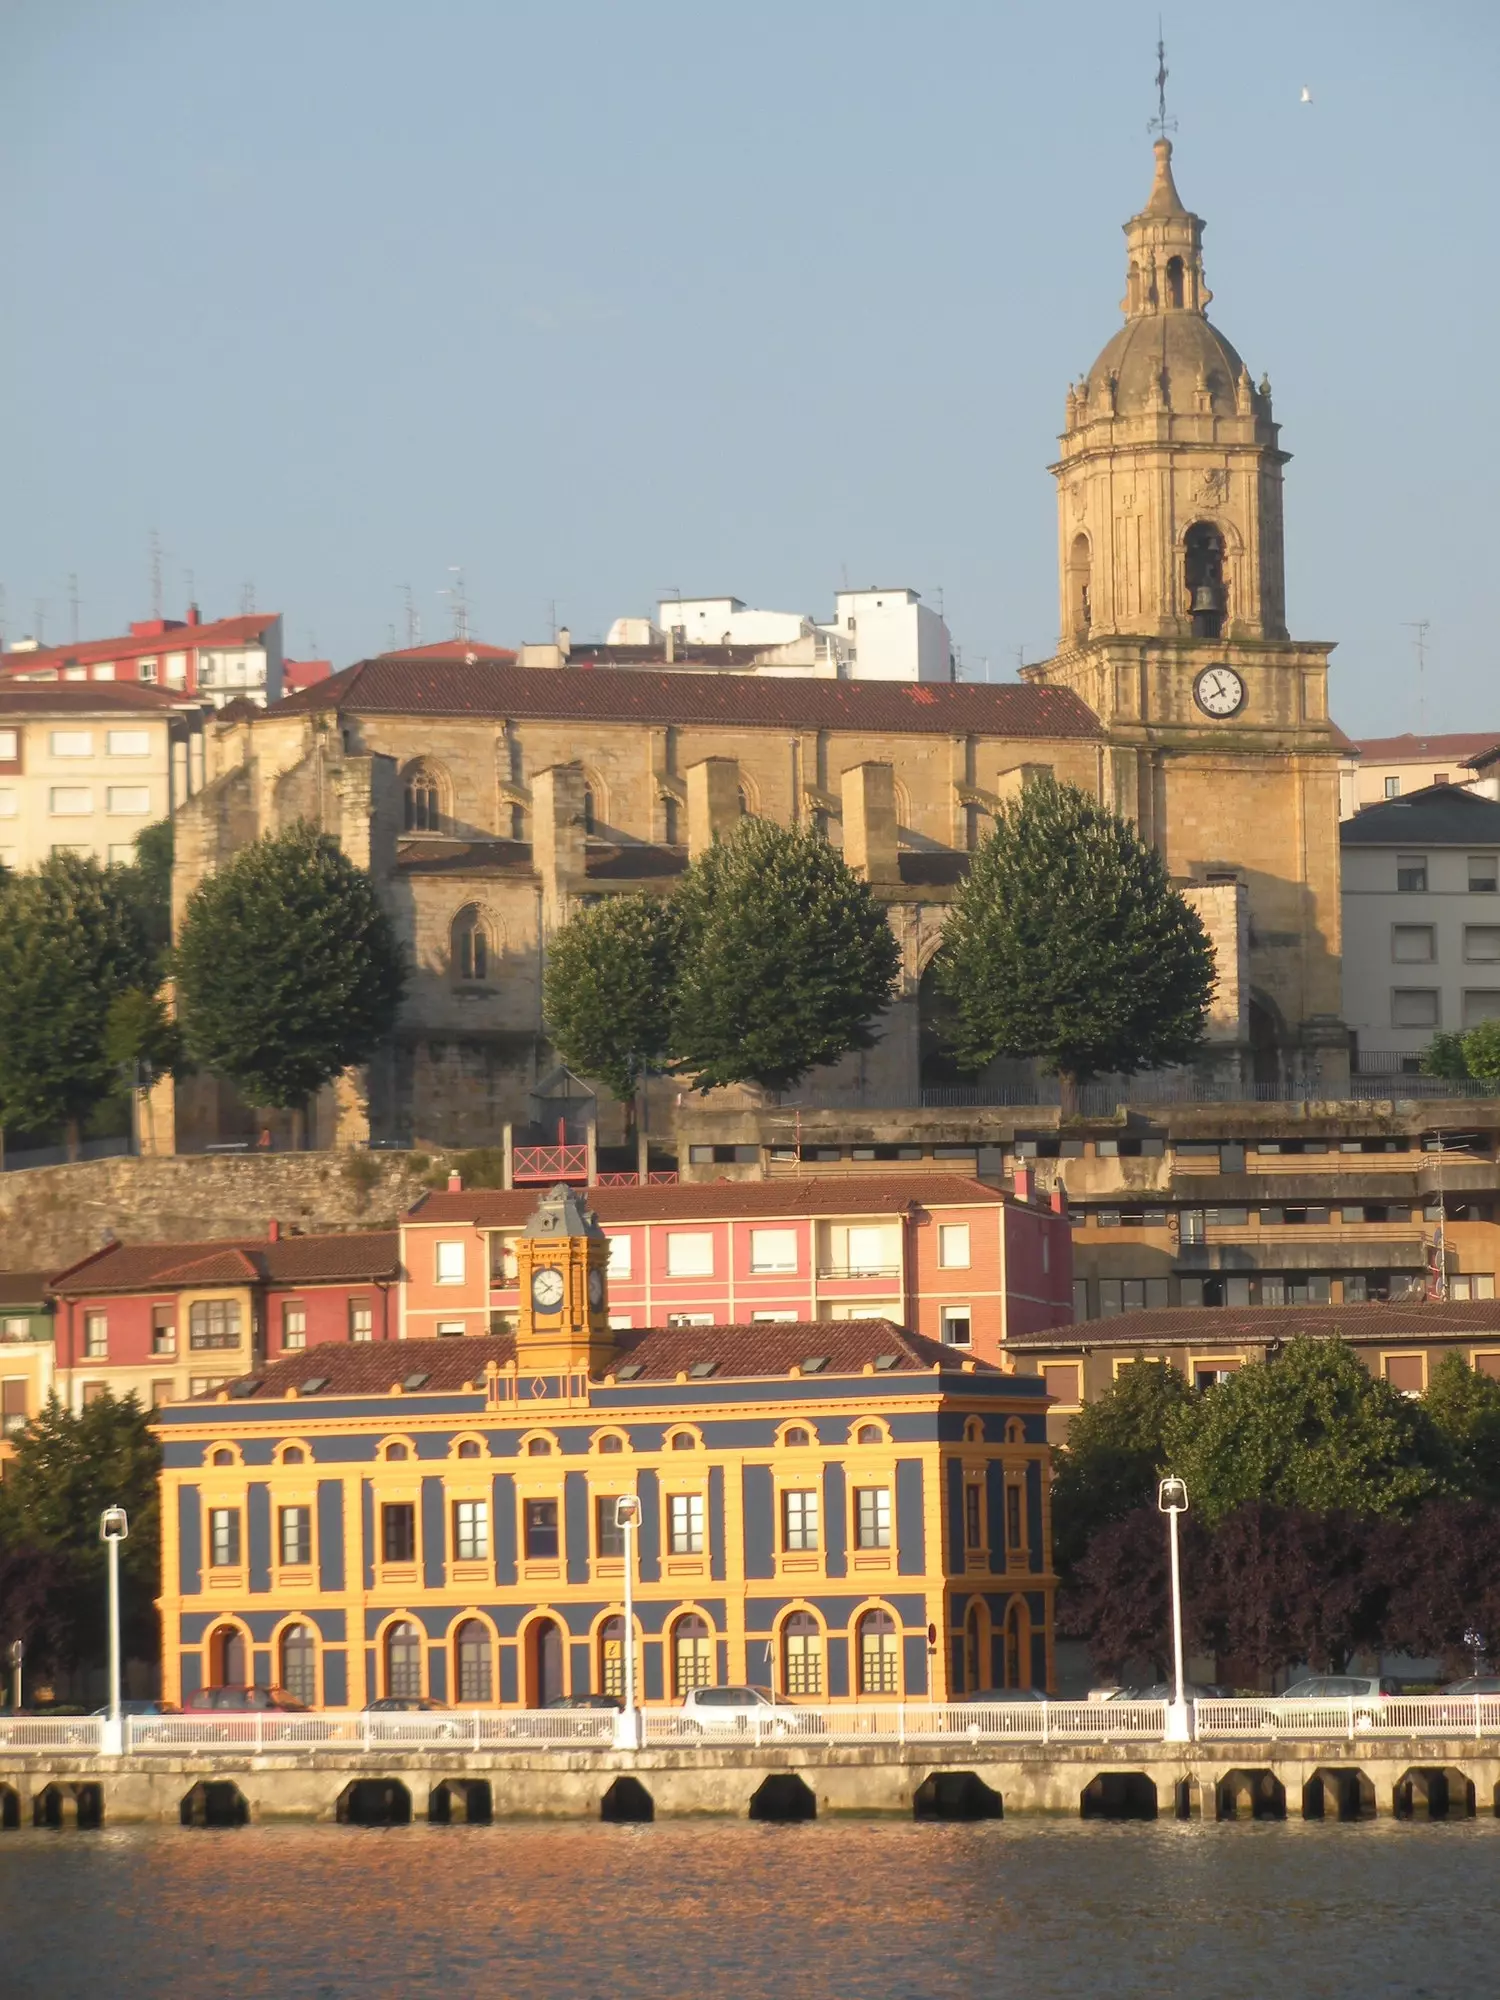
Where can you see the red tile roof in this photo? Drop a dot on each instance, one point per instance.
(822, 1194)
(662, 1354)
(1422, 749)
(1214, 1326)
(91, 698)
(22, 1288)
(452, 649)
(363, 1256)
(392, 685)
(132, 646)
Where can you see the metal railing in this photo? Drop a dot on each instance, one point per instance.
(1361, 1715)
(549, 1163)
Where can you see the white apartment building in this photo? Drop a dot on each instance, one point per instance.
(874, 635)
(1421, 910)
(83, 768)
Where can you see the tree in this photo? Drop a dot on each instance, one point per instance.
(1482, 1049)
(608, 987)
(66, 1471)
(1118, 1596)
(288, 969)
(1456, 1056)
(1443, 1579)
(1282, 1585)
(1444, 1055)
(1116, 1451)
(1067, 942)
(1465, 1410)
(147, 882)
(1311, 1428)
(140, 1038)
(70, 942)
(785, 959)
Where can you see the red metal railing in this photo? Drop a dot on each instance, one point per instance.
(550, 1163)
(666, 1179)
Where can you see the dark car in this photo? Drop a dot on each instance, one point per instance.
(1475, 1684)
(999, 1694)
(241, 1700)
(588, 1701)
(403, 1704)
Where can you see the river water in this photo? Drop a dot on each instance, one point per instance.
(825, 1911)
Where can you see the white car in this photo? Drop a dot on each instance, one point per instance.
(746, 1709)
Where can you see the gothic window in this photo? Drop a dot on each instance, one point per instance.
(1174, 282)
(1203, 574)
(470, 945)
(669, 822)
(423, 800)
(589, 823)
(518, 822)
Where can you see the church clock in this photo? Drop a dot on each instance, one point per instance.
(1219, 691)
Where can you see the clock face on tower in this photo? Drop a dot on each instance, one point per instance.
(596, 1289)
(1219, 691)
(547, 1288)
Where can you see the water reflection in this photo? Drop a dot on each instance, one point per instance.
(832, 1911)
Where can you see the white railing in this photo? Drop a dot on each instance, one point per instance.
(459, 1729)
(61, 1732)
(1368, 1715)
(905, 1722)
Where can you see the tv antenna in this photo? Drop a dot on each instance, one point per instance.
(189, 584)
(73, 602)
(1161, 124)
(41, 621)
(154, 551)
(413, 621)
(1421, 627)
(458, 603)
(247, 596)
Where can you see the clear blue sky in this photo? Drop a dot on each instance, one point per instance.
(602, 300)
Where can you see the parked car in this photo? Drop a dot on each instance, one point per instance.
(1165, 1691)
(745, 1708)
(1342, 1687)
(1475, 1684)
(403, 1704)
(143, 1708)
(242, 1700)
(1000, 1695)
(587, 1701)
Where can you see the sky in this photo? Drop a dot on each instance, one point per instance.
(602, 301)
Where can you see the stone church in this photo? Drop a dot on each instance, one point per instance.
(489, 796)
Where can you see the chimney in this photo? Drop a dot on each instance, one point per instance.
(564, 641)
(273, 1231)
(195, 617)
(455, 1183)
(1059, 1199)
(1020, 1183)
(669, 651)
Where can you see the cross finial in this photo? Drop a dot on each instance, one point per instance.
(1161, 123)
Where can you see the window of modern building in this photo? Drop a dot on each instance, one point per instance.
(1413, 944)
(214, 1323)
(1411, 872)
(403, 1661)
(1472, 1285)
(953, 1246)
(361, 1320)
(224, 1537)
(1482, 942)
(92, 1391)
(476, 1655)
(1414, 1007)
(70, 801)
(799, 1519)
(299, 1663)
(1484, 876)
(957, 1326)
(164, 1329)
(773, 1250)
(161, 1394)
(1080, 1298)
(127, 742)
(1393, 788)
(471, 1531)
(620, 1256)
(690, 1254)
(541, 1530)
(10, 746)
(692, 1654)
(872, 1517)
(1060, 1379)
(12, 1406)
(609, 1536)
(450, 1263)
(1481, 1003)
(128, 801)
(293, 1324)
(879, 1654)
(802, 1655)
(96, 1335)
(870, 1253)
(398, 1532)
(973, 1515)
(71, 743)
(685, 1524)
(1012, 1515)
(612, 1657)
(296, 1536)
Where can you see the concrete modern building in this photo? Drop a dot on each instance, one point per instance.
(1421, 892)
(230, 659)
(26, 1354)
(84, 768)
(841, 1512)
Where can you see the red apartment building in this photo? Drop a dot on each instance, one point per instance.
(165, 1321)
(943, 1255)
(226, 660)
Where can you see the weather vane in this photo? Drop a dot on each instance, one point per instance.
(1161, 122)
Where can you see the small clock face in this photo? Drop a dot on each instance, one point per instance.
(1219, 691)
(596, 1288)
(547, 1288)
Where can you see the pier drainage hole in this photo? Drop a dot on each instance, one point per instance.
(627, 1803)
(783, 1796)
(1440, 1793)
(215, 1802)
(956, 1795)
(10, 1809)
(1251, 1795)
(1119, 1795)
(375, 1802)
(1341, 1795)
(461, 1802)
(80, 1806)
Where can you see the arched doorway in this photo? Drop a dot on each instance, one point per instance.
(1017, 1645)
(1203, 576)
(802, 1655)
(544, 1663)
(692, 1654)
(226, 1658)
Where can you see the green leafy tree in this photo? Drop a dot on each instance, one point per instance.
(786, 959)
(1465, 1410)
(1444, 1055)
(141, 1039)
(66, 1471)
(288, 969)
(1482, 1049)
(1311, 1428)
(146, 882)
(1116, 1451)
(1067, 943)
(70, 943)
(608, 989)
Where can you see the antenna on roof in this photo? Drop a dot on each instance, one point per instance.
(189, 584)
(2, 617)
(154, 552)
(73, 602)
(457, 601)
(1421, 626)
(1161, 124)
(413, 619)
(41, 621)
(247, 596)
(390, 638)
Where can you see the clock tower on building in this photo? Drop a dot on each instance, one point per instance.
(1173, 618)
(562, 1257)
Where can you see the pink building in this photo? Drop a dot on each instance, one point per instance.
(943, 1255)
(227, 660)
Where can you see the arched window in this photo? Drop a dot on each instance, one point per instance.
(684, 1441)
(475, 1661)
(396, 1451)
(223, 1457)
(973, 1651)
(469, 945)
(744, 803)
(1174, 283)
(294, 1455)
(868, 1434)
(226, 1657)
(589, 825)
(1080, 584)
(692, 1654)
(802, 1655)
(1203, 575)
(468, 1448)
(539, 1448)
(403, 1660)
(795, 1436)
(879, 1654)
(422, 801)
(669, 822)
(612, 1658)
(611, 1443)
(299, 1663)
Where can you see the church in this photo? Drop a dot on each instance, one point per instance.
(490, 796)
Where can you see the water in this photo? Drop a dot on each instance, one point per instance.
(829, 1911)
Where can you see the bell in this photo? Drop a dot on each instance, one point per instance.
(1205, 598)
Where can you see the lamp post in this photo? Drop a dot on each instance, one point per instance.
(17, 1655)
(628, 1725)
(1172, 1499)
(113, 1528)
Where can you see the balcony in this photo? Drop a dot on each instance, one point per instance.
(859, 1270)
(549, 1164)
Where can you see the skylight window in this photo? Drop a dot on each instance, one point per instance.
(630, 1371)
(884, 1361)
(312, 1385)
(703, 1368)
(415, 1381)
(815, 1364)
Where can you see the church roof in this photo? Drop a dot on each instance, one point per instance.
(581, 694)
(775, 1349)
(1178, 348)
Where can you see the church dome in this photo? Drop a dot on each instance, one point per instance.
(1165, 359)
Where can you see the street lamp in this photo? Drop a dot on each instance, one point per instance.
(17, 1655)
(628, 1519)
(113, 1528)
(1172, 1499)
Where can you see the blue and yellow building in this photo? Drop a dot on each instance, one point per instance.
(840, 1510)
